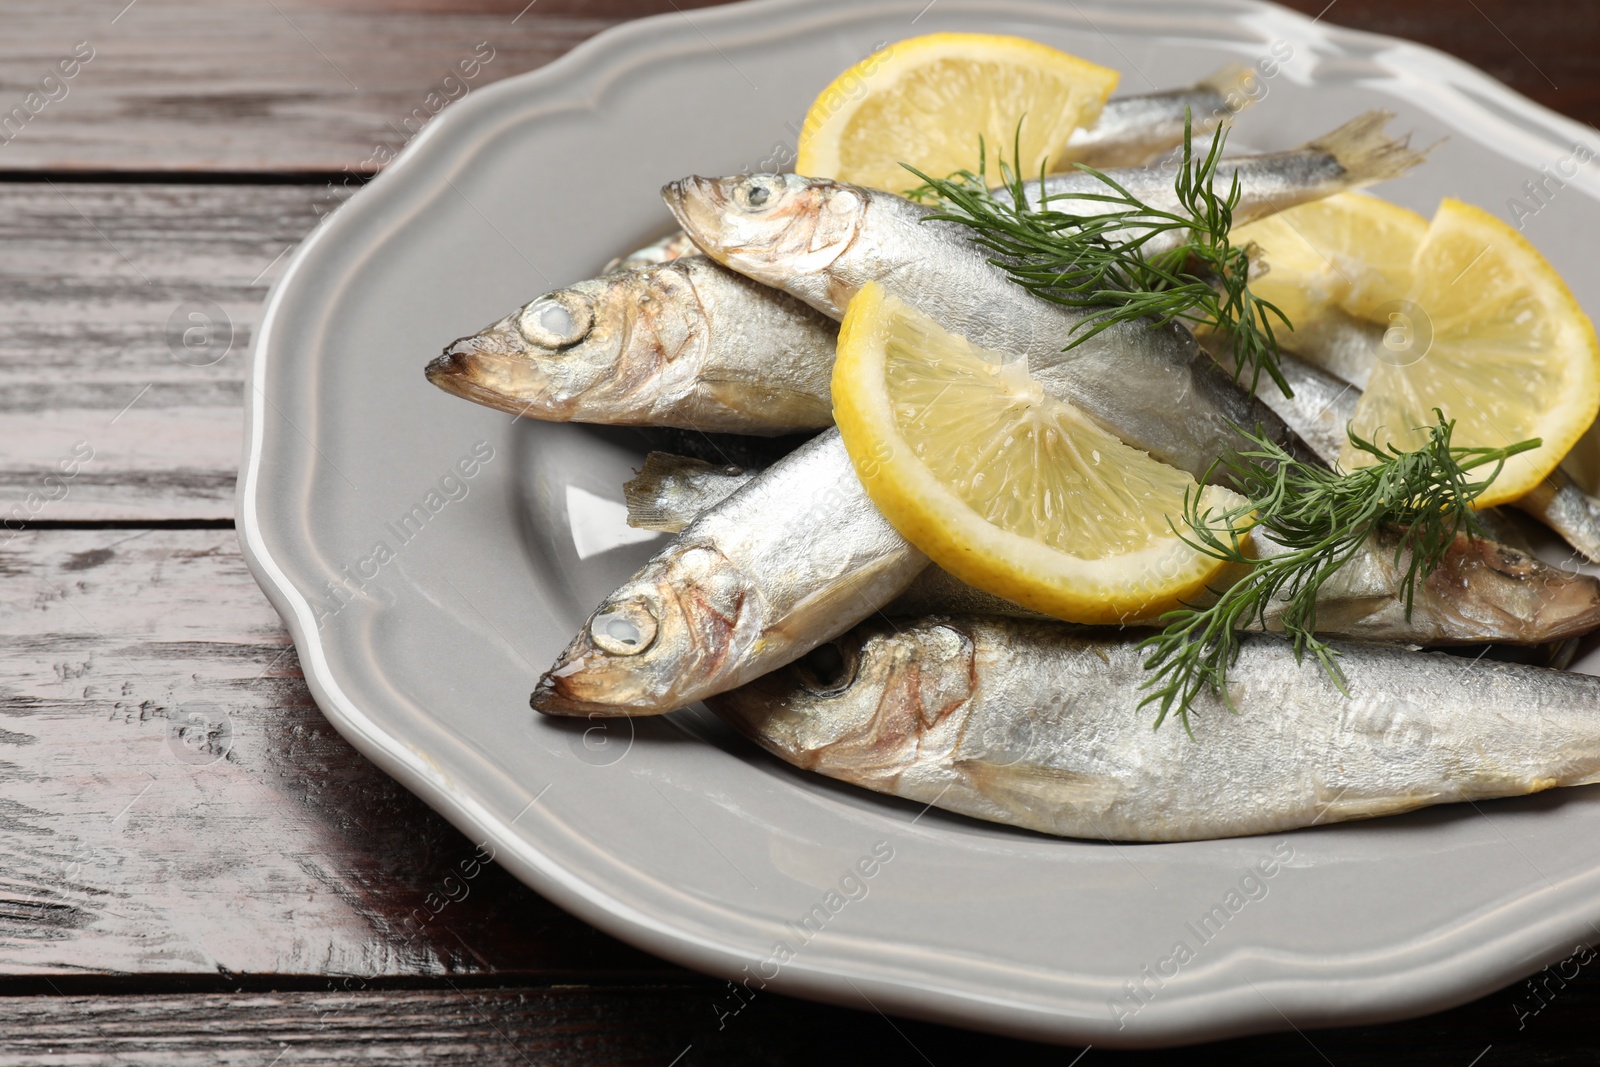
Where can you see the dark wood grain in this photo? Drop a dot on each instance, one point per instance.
(98, 350)
(247, 86)
(173, 801)
(346, 1020)
(1544, 50)
(194, 868)
(175, 808)
(264, 85)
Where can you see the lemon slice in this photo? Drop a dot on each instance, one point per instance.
(1011, 490)
(926, 100)
(1347, 253)
(1496, 340)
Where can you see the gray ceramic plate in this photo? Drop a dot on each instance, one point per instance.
(431, 557)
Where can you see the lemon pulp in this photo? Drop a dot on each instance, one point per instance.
(1012, 490)
(925, 101)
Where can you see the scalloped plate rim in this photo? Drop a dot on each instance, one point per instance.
(1482, 964)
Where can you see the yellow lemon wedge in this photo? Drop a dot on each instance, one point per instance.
(1347, 253)
(1496, 340)
(1012, 490)
(925, 101)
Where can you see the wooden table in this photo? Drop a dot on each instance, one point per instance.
(194, 868)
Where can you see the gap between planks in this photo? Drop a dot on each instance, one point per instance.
(176, 803)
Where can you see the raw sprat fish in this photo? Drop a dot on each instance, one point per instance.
(1324, 403)
(1357, 154)
(686, 343)
(789, 561)
(670, 492)
(1137, 129)
(1038, 725)
(1482, 591)
(822, 241)
(799, 612)
(1132, 131)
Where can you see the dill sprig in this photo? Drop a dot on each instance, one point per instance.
(1318, 519)
(1133, 261)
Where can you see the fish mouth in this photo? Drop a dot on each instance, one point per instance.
(1568, 604)
(694, 202)
(590, 681)
(453, 372)
(556, 695)
(676, 194)
(467, 364)
(549, 697)
(450, 371)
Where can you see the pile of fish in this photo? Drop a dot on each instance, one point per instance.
(793, 608)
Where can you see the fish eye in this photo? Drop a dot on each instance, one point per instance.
(828, 669)
(557, 320)
(624, 629)
(758, 193)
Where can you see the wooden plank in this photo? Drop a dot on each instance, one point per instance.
(241, 85)
(98, 280)
(174, 802)
(1535, 49)
(296, 85)
(349, 1021)
(99, 355)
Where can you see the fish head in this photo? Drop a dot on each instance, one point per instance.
(559, 357)
(860, 707)
(676, 631)
(774, 228)
(1486, 591)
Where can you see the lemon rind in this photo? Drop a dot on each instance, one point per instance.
(932, 517)
(817, 154)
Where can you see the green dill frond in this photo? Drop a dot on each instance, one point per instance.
(1132, 262)
(1319, 519)
(1119, 263)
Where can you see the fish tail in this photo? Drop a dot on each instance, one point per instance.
(650, 495)
(1235, 83)
(1366, 153)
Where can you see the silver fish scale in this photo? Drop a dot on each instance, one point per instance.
(1133, 130)
(789, 551)
(687, 343)
(1336, 357)
(1039, 726)
(1131, 378)
(1482, 591)
(763, 577)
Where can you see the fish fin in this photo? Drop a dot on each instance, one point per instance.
(647, 497)
(1046, 798)
(797, 410)
(1592, 778)
(1345, 808)
(1366, 153)
(1232, 81)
